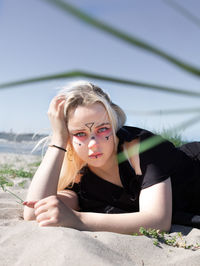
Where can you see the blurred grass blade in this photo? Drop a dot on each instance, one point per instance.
(79, 73)
(123, 36)
(165, 112)
(19, 200)
(186, 13)
(155, 140)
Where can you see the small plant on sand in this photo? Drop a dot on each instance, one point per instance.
(8, 174)
(15, 172)
(5, 181)
(162, 237)
(35, 164)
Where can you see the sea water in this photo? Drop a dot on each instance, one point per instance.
(23, 147)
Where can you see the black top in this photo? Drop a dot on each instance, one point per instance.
(157, 164)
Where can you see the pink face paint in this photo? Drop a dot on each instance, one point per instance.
(80, 136)
(104, 131)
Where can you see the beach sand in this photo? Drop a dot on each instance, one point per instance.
(25, 243)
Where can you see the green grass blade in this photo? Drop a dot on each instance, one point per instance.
(180, 111)
(186, 13)
(79, 73)
(14, 195)
(20, 201)
(63, 5)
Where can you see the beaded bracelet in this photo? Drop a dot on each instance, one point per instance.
(60, 148)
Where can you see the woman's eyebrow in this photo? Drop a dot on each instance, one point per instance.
(103, 124)
(77, 129)
(84, 129)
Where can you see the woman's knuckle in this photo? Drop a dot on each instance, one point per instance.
(38, 219)
(55, 202)
(55, 214)
(56, 220)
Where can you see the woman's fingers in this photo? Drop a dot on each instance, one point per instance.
(41, 209)
(51, 199)
(43, 216)
(60, 107)
(56, 104)
(57, 118)
(46, 206)
(51, 211)
(58, 98)
(50, 222)
(30, 204)
(60, 101)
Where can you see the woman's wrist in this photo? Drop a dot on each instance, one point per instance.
(57, 147)
(60, 141)
(81, 224)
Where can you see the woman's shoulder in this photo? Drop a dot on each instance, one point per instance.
(151, 146)
(129, 133)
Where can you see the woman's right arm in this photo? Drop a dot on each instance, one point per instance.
(45, 180)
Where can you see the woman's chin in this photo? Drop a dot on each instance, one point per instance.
(97, 162)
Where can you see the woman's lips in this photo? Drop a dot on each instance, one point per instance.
(95, 155)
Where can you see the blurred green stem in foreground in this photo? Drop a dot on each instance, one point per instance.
(20, 201)
(79, 14)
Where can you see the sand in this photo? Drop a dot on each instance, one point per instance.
(25, 243)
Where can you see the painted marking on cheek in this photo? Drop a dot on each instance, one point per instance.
(107, 137)
(89, 125)
(77, 143)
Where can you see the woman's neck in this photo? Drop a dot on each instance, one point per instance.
(109, 171)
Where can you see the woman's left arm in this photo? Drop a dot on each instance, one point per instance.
(155, 212)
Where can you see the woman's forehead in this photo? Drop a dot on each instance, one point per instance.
(88, 116)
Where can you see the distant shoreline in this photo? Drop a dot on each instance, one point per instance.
(22, 145)
(11, 136)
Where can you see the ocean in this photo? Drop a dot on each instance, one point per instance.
(23, 143)
(23, 147)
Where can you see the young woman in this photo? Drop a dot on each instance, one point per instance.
(96, 174)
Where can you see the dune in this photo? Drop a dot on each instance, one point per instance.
(25, 243)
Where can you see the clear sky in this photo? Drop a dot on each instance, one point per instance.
(39, 39)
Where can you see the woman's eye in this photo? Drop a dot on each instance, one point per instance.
(103, 129)
(80, 134)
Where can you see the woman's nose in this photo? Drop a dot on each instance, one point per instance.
(92, 143)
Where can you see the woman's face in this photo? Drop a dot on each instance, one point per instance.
(91, 134)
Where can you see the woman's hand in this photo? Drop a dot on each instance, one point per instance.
(57, 120)
(51, 211)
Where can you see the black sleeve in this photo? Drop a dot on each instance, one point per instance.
(158, 163)
(75, 187)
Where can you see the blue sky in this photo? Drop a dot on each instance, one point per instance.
(39, 39)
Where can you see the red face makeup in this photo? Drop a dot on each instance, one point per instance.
(103, 131)
(91, 134)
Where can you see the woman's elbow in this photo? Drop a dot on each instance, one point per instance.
(164, 225)
(165, 228)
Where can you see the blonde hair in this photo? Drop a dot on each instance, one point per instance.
(83, 93)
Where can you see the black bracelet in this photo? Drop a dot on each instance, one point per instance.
(60, 148)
